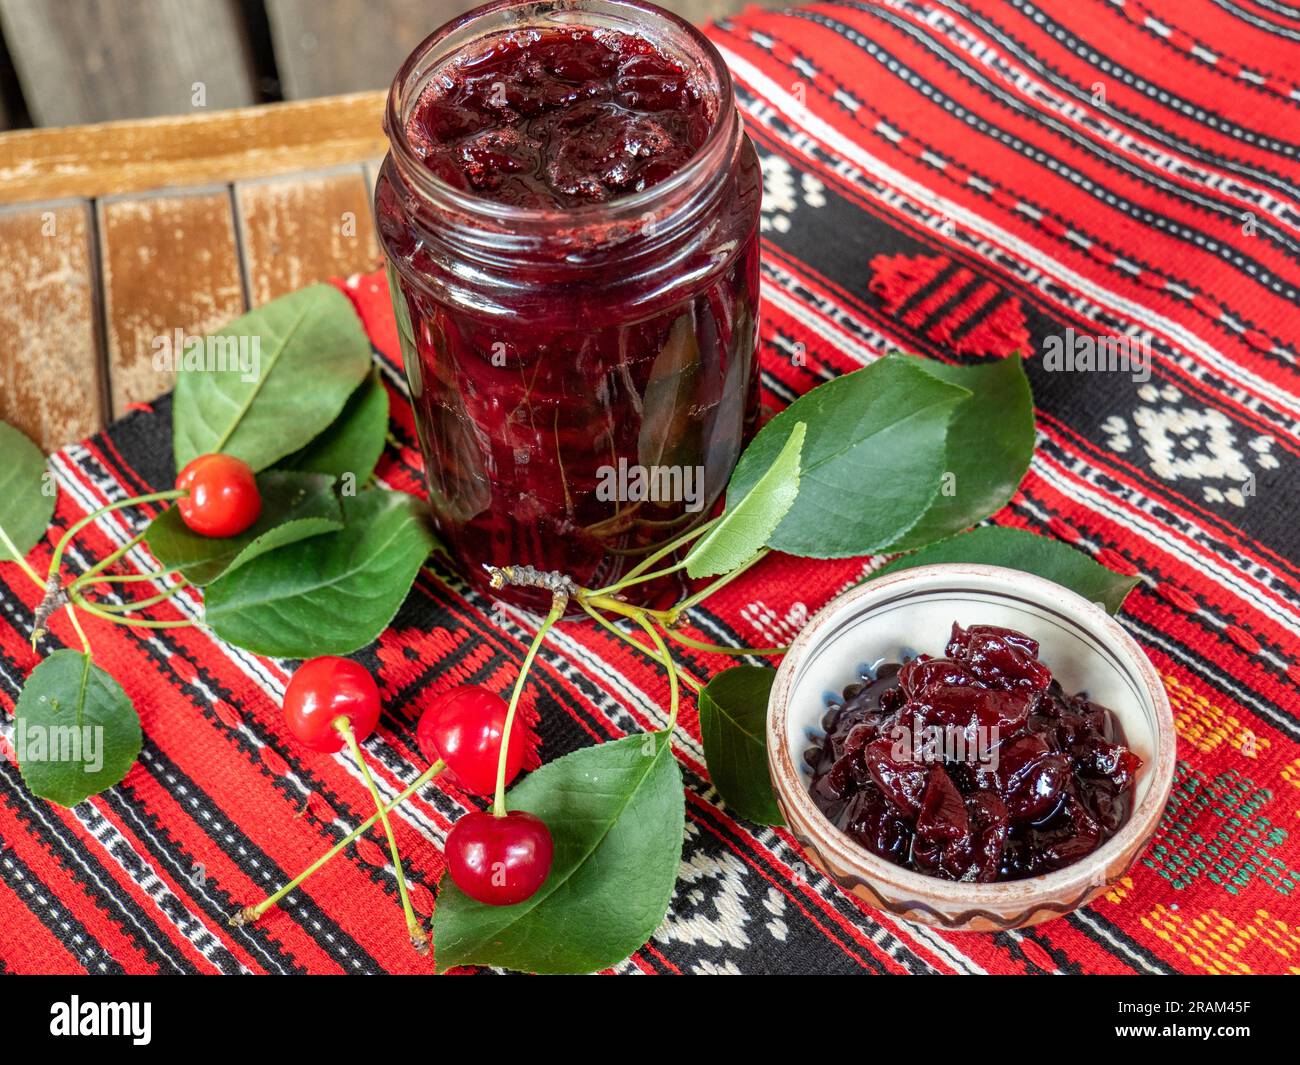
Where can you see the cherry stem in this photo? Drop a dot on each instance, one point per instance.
(644, 578)
(108, 560)
(87, 581)
(253, 913)
(419, 940)
(649, 652)
(142, 604)
(76, 625)
(721, 582)
(23, 564)
(718, 649)
(559, 602)
(26, 567)
(153, 497)
(651, 559)
(669, 665)
(118, 619)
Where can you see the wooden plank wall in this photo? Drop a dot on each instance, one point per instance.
(87, 287)
(92, 60)
(52, 383)
(80, 61)
(330, 46)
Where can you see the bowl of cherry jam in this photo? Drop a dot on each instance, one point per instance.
(970, 747)
(570, 211)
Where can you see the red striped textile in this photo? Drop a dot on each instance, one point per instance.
(959, 178)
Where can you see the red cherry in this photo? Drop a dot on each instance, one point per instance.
(223, 498)
(322, 691)
(463, 727)
(499, 860)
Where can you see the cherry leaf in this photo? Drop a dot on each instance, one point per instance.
(871, 464)
(746, 525)
(75, 731)
(990, 442)
(1018, 549)
(26, 493)
(616, 814)
(733, 719)
(331, 594)
(351, 446)
(311, 355)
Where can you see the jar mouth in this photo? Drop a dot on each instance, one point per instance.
(678, 39)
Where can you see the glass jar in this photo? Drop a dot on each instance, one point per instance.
(583, 378)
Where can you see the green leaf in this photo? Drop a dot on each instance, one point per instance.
(746, 525)
(351, 446)
(669, 436)
(25, 506)
(990, 443)
(312, 355)
(1018, 549)
(871, 463)
(294, 507)
(75, 731)
(331, 594)
(733, 719)
(616, 814)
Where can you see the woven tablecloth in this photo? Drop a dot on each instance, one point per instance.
(956, 179)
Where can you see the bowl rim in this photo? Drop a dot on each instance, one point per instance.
(1045, 889)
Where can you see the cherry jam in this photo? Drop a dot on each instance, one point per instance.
(976, 766)
(570, 214)
(559, 118)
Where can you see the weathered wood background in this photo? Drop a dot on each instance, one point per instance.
(66, 62)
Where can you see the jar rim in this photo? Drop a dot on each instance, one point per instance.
(697, 167)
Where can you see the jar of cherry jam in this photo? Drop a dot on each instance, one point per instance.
(570, 215)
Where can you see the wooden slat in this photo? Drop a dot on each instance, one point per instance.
(325, 46)
(305, 228)
(168, 261)
(51, 380)
(122, 157)
(95, 60)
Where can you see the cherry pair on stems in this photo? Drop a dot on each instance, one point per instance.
(496, 857)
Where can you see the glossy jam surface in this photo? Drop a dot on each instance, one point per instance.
(582, 387)
(559, 118)
(1053, 781)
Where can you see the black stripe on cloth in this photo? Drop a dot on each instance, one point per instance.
(1206, 200)
(1159, 94)
(1251, 269)
(98, 884)
(49, 909)
(261, 940)
(1137, 124)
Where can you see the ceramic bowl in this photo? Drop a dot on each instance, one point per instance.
(912, 611)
